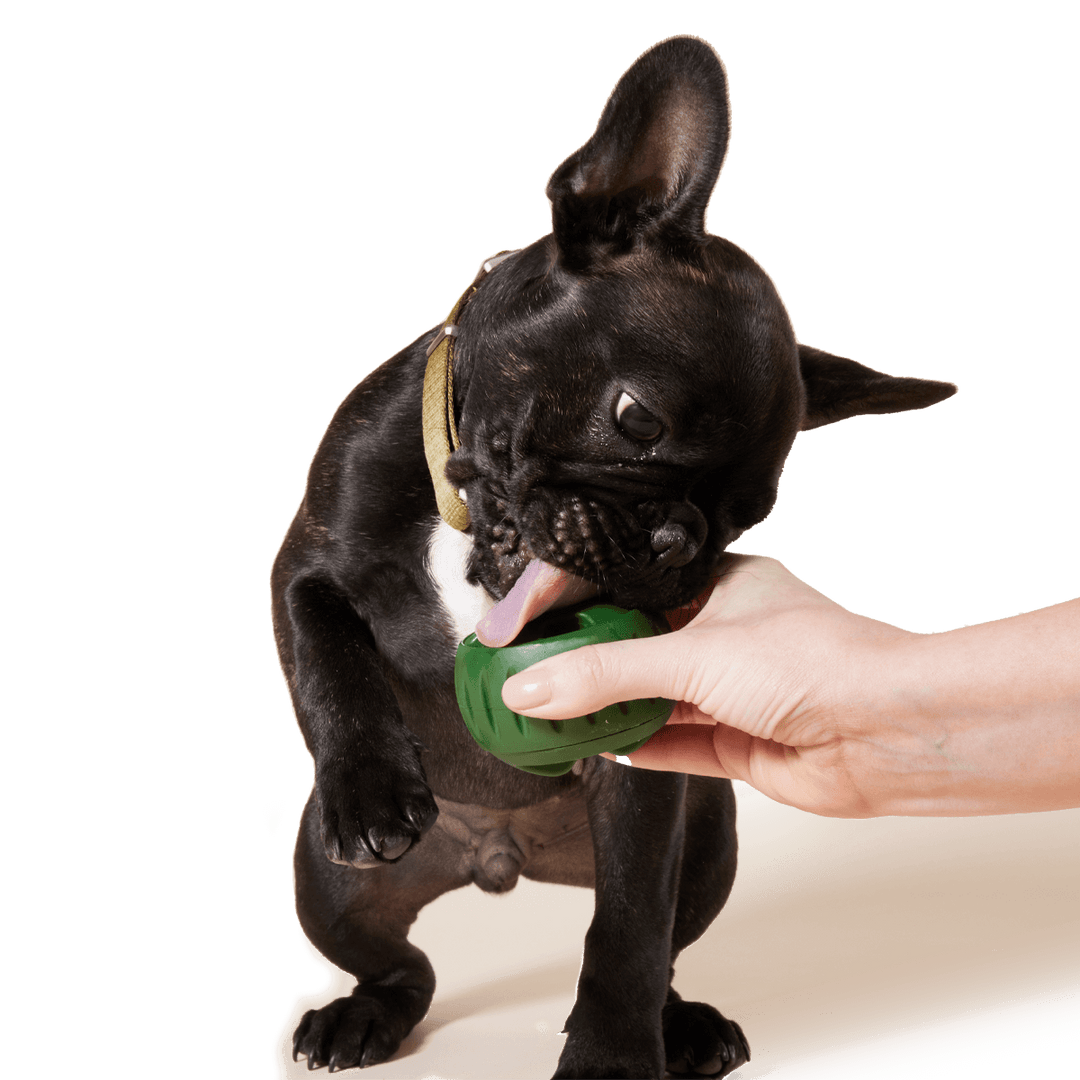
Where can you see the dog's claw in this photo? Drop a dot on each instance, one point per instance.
(422, 820)
(389, 849)
(301, 1031)
(742, 1040)
(700, 1042)
(370, 1056)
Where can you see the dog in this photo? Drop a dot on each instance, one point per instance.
(605, 411)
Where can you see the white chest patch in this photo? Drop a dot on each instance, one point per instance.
(447, 556)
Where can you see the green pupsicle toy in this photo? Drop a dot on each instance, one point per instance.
(550, 747)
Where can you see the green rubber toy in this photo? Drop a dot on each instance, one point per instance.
(551, 747)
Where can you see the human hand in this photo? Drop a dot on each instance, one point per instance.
(836, 713)
(768, 681)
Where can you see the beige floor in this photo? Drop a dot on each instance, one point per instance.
(848, 949)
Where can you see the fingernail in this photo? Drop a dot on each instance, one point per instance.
(622, 759)
(520, 695)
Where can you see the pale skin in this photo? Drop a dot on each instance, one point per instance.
(838, 714)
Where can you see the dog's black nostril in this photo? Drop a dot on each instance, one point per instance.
(679, 539)
(671, 543)
(667, 536)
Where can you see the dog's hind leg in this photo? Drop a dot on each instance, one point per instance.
(360, 919)
(698, 1040)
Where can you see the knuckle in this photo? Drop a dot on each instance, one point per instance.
(601, 674)
(596, 668)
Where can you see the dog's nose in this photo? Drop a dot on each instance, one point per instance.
(680, 538)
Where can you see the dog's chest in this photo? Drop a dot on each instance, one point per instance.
(462, 603)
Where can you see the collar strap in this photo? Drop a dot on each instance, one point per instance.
(440, 428)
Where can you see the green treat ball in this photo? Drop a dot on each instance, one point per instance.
(550, 747)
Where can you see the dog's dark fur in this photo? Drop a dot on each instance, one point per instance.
(628, 295)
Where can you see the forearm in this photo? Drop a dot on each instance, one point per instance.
(980, 720)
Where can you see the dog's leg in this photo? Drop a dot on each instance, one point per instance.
(638, 826)
(360, 919)
(698, 1040)
(372, 794)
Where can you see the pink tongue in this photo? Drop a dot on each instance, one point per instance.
(540, 587)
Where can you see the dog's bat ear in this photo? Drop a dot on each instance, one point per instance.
(649, 169)
(837, 388)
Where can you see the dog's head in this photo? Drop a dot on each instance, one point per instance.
(628, 388)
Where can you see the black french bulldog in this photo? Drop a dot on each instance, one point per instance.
(625, 391)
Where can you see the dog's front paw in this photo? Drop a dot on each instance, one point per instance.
(373, 814)
(700, 1042)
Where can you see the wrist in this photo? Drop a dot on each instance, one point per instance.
(899, 729)
(884, 733)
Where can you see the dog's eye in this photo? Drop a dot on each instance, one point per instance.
(635, 420)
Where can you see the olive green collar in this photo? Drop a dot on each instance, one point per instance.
(440, 429)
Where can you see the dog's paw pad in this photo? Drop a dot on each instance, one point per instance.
(700, 1042)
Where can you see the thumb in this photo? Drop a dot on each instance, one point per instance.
(588, 679)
